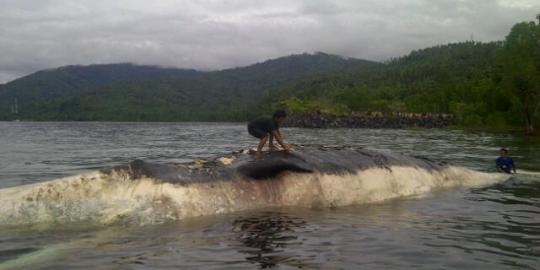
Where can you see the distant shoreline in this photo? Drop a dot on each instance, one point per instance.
(396, 120)
(477, 129)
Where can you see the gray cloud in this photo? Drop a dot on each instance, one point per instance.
(217, 34)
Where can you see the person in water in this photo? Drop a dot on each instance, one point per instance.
(504, 163)
(267, 129)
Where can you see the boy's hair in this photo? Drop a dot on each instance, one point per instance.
(504, 150)
(279, 114)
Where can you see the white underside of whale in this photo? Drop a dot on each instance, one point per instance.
(111, 198)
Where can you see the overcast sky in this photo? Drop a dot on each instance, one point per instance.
(217, 34)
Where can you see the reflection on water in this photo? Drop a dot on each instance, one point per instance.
(266, 235)
(8, 254)
(515, 230)
(518, 192)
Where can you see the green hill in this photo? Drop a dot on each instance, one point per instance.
(124, 92)
(461, 79)
(495, 84)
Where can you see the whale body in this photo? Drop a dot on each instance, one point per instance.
(272, 164)
(143, 192)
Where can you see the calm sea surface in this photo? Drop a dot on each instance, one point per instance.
(496, 227)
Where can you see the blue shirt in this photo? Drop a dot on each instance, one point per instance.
(505, 164)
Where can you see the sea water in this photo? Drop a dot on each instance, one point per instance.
(494, 226)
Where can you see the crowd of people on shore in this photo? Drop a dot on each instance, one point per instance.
(318, 119)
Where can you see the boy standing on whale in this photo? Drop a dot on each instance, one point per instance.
(264, 128)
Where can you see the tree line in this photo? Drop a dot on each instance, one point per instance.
(495, 84)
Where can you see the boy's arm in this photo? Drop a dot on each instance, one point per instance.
(513, 166)
(279, 139)
(271, 143)
(281, 136)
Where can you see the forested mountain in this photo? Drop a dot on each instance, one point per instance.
(427, 80)
(494, 84)
(140, 93)
(463, 79)
(57, 82)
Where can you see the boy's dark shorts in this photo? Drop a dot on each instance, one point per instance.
(256, 132)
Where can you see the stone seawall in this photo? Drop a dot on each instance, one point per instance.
(318, 119)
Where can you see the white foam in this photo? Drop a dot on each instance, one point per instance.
(528, 173)
(103, 199)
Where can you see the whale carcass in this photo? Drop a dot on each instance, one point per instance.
(145, 192)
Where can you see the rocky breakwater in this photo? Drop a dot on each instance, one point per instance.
(318, 119)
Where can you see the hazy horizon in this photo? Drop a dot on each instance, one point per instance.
(214, 35)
